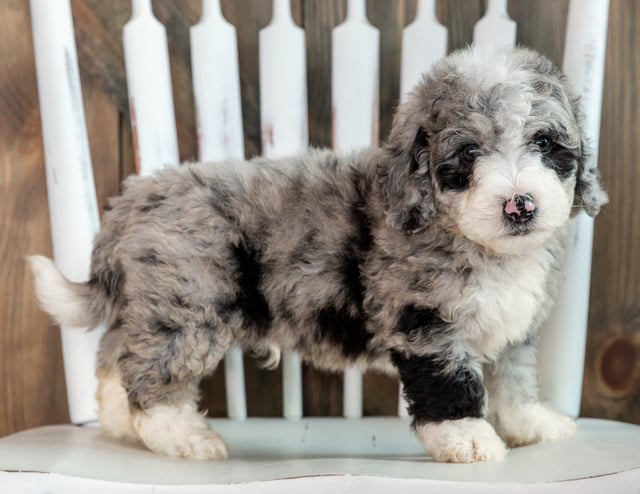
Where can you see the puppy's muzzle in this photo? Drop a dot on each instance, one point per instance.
(520, 209)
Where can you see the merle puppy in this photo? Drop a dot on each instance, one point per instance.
(432, 258)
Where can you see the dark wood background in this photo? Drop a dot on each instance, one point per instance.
(32, 390)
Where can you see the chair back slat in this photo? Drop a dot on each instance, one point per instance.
(218, 110)
(216, 86)
(282, 71)
(495, 28)
(354, 105)
(146, 58)
(284, 128)
(423, 42)
(70, 186)
(235, 387)
(563, 336)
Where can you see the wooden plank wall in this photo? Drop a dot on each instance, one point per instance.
(32, 390)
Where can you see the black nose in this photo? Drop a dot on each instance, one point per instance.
(519, 209)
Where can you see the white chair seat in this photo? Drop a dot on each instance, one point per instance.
(316, 455)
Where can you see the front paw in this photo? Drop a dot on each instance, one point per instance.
(467, 440)
(534, 423)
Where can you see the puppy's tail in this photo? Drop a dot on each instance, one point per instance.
(70, 304)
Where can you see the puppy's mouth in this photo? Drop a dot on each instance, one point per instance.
(520, 229)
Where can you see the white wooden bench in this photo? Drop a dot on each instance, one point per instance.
(294, 453)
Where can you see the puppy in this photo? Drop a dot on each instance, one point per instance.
(433, 258)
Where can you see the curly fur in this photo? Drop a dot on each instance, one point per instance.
(399, 259)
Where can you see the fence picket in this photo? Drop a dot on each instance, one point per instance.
(563, 337)
(216, 91)
(283, 115)
(70, 186)
(495, 28)
(146, 59)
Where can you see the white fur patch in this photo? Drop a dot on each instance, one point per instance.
(534, 423)
(499, 308)
(113, 407)
(55, 292)
(499, 177)
(467, 440)
(179, 432)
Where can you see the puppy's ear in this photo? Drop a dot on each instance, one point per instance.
(404, 177)
(589, 194)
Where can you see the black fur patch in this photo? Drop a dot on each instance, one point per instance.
(434, 395)
(150, 257)
(167, 327)
(151, 202)
(417, 321)
(344, 329)
(554, 154)
(453, 177)
(249, 300)
(109, 281)
(420, 151)
(413, 221)
(345, 325)
(351, 279)
(561, 160)
(363, 236)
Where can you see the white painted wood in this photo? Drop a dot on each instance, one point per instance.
(216, 89)
(423, 42)
(216, 85)
(291, 385)
(354, 80)
(383, 450)
(149, 85)
(283, 122)
(355, 101)
(563, 338)
(352, 392)
(403, 405)
(235, 384)
(495, 28)
(283, 85)
(70, 186)
(355, 110)
(622, 482)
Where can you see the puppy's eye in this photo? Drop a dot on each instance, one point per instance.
(544, 142)
(468, 154)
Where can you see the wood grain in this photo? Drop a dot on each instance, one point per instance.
(31, 376)
(32, 390)
(612, 368)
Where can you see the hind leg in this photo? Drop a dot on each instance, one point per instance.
(179, 431)
(114, 414)
(165, 359)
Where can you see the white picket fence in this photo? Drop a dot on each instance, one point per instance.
(355, 107)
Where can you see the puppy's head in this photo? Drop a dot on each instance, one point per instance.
(490, 145)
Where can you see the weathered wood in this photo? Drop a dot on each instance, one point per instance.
(248, 18)
(31, 376)
(612, 368)
(32, 389)
(460, 16)
(541, 25)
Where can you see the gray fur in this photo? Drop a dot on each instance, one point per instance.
(271, 252)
